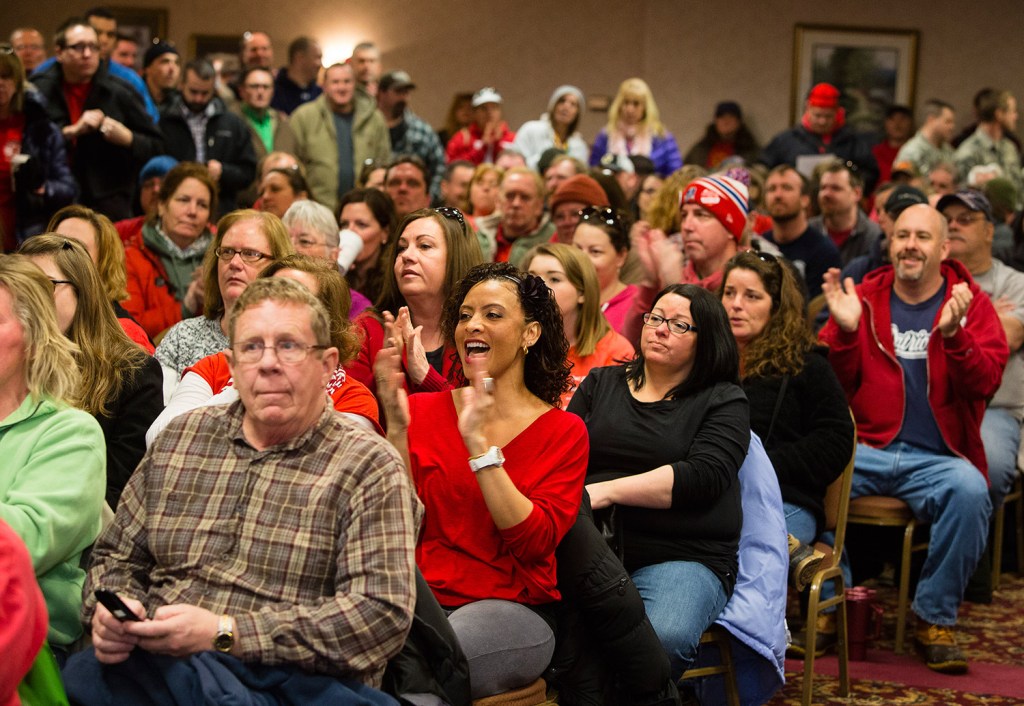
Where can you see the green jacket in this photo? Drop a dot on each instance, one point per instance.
(487, 234)
(52, 483)
(317, 148)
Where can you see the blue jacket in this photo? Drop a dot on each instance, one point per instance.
(664, 152)
(43, 142)
(755, 614)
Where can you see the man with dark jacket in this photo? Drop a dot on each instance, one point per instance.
(822, 130)
(108, 133)
(197, 128)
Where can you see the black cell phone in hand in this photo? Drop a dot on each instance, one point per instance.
(115, 605)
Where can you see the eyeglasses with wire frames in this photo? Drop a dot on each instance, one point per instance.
(674, 326)
(965, 219)
(248, 256)
(288, 352)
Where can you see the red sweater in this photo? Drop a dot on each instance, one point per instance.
(468, 144)
(347, 394)
(964, 371)
(461, 553)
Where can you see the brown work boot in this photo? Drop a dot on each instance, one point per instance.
(824, 638)
(938, 646)
(803, 564)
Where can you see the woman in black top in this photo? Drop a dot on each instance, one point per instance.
(669, 431)
(797, 405)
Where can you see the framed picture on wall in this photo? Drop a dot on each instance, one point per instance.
(144, 24)
(874, 68)
(206, 45)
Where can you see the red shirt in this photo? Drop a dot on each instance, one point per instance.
(462, 554)
(11, 130)
(349, 395)
(75, 95)
(610, 350)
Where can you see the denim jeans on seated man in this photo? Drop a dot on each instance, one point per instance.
(951, 495)
(1000, 432)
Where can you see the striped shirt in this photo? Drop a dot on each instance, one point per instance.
(308, 545)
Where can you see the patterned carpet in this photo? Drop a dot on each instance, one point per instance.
(991, 636)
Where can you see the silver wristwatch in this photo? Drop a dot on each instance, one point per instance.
(492, 457)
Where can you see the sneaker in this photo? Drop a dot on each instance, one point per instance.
(824, 638)
(803, 563)
(938, 645)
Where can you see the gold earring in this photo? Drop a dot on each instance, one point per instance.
(526, 349)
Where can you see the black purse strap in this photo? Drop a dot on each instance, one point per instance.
(778, 406)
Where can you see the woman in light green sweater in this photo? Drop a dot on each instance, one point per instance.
(52, 478)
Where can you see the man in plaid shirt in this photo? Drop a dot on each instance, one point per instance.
(409, 133)
(270, 533)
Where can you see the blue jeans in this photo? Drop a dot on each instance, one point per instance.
(682, 599)
(949, 493)
(1000, 433)
(801, 524)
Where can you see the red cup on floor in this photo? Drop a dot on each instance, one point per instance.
(863, 621)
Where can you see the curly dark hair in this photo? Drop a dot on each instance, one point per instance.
(546, 372)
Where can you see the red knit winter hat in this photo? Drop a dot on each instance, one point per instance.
(724, 197)
(824, 95)
(580, 188)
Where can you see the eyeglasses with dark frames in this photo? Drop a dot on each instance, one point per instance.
(247, 255)
(674, 326)
(288, 352)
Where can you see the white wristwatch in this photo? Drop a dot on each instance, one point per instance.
(492, 457)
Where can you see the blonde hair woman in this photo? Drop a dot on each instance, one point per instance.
(121, 384)
(571, 277)
(634, 127)
(99, 236)
(51, 488)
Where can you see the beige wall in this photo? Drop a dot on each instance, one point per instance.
(692, 54)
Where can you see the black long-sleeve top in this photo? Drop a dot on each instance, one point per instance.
(703, 436)
(812, 439)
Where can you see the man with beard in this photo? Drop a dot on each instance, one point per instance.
(409, 133)
(839, 192)
(197, 128)
(919, 406)
(365, 63)
(787, 196)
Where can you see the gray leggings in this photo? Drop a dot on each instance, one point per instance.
(507, 645)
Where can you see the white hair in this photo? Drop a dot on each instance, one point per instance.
(313, 215)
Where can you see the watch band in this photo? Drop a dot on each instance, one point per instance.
(492, 457)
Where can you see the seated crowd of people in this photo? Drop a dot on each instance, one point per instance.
(534, 405)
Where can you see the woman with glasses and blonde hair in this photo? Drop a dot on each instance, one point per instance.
(634, 127)
(124, 384)
(603, 236)
(51, 487)
(571, 277)
(209, 382)
(432, 249)
(246, 242)
(668, 433)
(797, 405)
(35, 179)
(99, 237)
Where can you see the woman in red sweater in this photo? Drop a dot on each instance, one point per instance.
(499, 469)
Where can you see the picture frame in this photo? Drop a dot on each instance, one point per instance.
(144, 24)
(206, 45)
(873, 68)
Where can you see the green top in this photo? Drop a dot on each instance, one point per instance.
(52, 483)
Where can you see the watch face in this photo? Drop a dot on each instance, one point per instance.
(223, 642)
